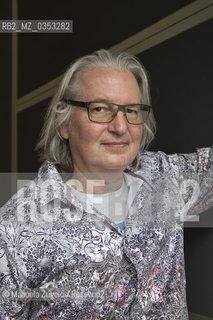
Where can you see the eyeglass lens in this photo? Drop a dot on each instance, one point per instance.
(105, 112)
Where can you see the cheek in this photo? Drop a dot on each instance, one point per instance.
(85, 132)
(136, 134)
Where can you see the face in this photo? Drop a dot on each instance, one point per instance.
(106, 147)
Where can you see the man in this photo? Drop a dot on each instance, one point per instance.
(99, 233)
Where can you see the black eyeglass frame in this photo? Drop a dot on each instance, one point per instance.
(120, 107)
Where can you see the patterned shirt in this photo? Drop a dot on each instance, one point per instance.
(59, 261)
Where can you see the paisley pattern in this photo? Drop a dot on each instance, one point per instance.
(58, 261)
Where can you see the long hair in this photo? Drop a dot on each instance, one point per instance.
(56, 149)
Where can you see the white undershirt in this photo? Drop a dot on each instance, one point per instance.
(113, 205)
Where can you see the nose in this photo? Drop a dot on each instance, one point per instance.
(119, 124)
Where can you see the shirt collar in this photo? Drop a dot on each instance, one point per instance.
(51, 186)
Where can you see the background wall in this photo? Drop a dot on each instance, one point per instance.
(5, 67)
(181, 84)
(5, 127)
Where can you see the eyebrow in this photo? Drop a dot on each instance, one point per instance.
(101, 99)
(108, 101)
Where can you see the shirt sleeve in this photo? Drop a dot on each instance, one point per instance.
(194, 174)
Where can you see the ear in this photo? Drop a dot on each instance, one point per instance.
(63, 129)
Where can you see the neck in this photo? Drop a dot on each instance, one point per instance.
(96, 183)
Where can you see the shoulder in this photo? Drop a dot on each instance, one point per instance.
(154, 166)
(20, 202)
(47, 186)
(157, 161)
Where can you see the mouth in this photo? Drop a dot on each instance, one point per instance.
(119, 144)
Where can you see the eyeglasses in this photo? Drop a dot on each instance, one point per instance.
(105, 112)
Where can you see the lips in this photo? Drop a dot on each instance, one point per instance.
(115, 143)
(118, 144)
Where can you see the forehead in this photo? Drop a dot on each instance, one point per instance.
(108, 83)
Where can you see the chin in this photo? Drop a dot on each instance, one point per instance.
(117, 166)
(115, 163)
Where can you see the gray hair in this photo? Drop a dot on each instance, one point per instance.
(56, 149)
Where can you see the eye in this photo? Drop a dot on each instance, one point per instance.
(131, 111)
(98, 109)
